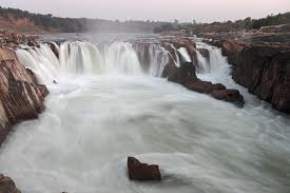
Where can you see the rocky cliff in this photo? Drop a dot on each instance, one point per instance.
(21, 96)
(186, 73)
(264, 68)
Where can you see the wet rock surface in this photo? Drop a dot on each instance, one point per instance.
(21, 96)
(185, 74)
(261, 67)
(205, 53)
(13, 39)
(7, 185)
(141, 171)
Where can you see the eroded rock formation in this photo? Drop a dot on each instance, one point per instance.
(186, 74)
(263, 68)
(21, 96)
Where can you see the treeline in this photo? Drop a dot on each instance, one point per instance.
(48, 22)
(271, 20)
(229, 26)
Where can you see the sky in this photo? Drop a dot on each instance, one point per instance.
(164, 10)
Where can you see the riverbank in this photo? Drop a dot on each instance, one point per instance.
(260, 62)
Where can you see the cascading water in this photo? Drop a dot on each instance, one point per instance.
(158, 59)
(94, 121)
(84, 58)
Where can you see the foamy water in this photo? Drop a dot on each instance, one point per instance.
(94, 121)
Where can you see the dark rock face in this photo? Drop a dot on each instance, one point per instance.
(54, 49)
(205, 53)
(171, 46)
(21, 96)
(217, 91)
(170, 68)
(264, 69)
(186, 74)
(229, 95)
(141, 171)
(183, 74)
(7, 185)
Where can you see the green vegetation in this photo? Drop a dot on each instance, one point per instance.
(46, 22)
(272, 20)
(50, 23)
(228, 26)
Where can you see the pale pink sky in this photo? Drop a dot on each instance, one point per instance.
(183, 10)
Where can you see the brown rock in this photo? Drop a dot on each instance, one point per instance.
(218, 86)
(229, 95)
(183, 74)
(200, 86)
(141, 171)
(7, 185)
(21, 97)
(205, 53)
(281, 97)
(54, 49)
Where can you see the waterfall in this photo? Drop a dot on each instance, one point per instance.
(158, 59)
(217, 63)
(184, 54)
(109, 107)
(78, 58)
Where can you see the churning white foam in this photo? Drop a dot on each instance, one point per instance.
(93, 121)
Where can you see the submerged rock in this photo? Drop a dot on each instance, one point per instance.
(142, 171)
(7, 185)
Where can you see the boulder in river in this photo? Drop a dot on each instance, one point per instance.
(142, 171)
(7, 185)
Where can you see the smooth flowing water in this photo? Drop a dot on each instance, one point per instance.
(104, 108)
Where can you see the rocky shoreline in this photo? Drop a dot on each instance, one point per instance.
(21, 96)
(262, 66)
(186, 73)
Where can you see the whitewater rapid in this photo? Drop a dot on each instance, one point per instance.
(98, 114)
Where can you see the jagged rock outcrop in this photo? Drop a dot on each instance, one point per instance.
(142, 171)
(263, 68)
(12, 39)
(21, 96)
(7, 185)
(186, 75)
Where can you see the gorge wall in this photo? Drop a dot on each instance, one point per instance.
(21, 96)
(264, 68)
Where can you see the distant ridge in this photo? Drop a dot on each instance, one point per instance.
(23, 21)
